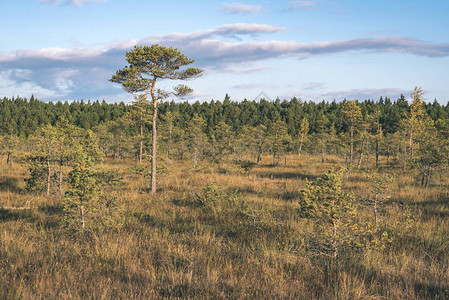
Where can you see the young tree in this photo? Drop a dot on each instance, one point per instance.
(8, 147)
(378, 135)
(303, 133)
(46, 153)
(147, 64)
(197, 138)
(322, 136)
(380, 191)
(169, 130)
(141, 108)
(86, 206)
(258, 140)
(364, 139)
(334, 212)
(432, 155)
(352, 114)
(222, 139)
(278, 139)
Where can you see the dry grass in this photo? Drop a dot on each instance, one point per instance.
(170, 247)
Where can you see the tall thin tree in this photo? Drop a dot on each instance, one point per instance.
(147, 64)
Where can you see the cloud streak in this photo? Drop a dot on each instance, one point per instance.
(317, 91)
(75, 73)
(238, 8)
(309, 5)
(73, 2)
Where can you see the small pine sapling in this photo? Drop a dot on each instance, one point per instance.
(333, 213)
(86, 206)
(380, 192)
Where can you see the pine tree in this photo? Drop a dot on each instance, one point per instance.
(352, 114)
(141, 109)
(148, 64)
(222, 139)
(333, 212)
(303, 133)
(86, 206)
(278, 139)
(197, 139)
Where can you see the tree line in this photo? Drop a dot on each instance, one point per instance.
(22, 116)
(406, 133)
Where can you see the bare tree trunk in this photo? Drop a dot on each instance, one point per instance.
(367, 159)
(352, 146)
(60, 177)
(388, 155)
(367, 154)
(154, 148)
(405, 155)
(323, 154)
(377, 152)
(196, 156)
(141, 137)
(83, 221)
(376, 218)
(170, 141)
(360, 159)
(9, 159)
(61, 162)
(48, 177)
(334, 242)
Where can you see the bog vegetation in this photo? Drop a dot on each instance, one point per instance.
(257, 200)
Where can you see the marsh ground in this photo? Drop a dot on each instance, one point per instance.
(170, 247)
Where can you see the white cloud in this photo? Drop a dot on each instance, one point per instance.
(13, 84)
(74, 2)
(317, 91)
(363, 94)
(237, 7)
(311, 5)
(84, 73)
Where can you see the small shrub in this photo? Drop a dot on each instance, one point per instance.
(38, 176)
(380, 192)
(333, 213)
(110, 178)
(215, 200)
(246, 165)
(86, 207)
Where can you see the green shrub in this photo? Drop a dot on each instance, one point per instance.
(215, 200)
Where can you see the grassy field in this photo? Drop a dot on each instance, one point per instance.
(249, 248)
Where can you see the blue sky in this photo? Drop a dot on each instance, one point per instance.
(314, 50)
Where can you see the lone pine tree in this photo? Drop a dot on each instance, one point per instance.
(147, 64)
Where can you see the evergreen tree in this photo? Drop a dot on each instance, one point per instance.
(352, 114)
(222, 139)
(86, 206)
(278, 139)
(147, 65)
(197, 139)
(303, 133)
(333, 212)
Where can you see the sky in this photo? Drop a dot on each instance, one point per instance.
(311, 49)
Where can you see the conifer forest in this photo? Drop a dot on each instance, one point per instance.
(283, 199)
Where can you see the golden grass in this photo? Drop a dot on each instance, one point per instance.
(171, 248)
